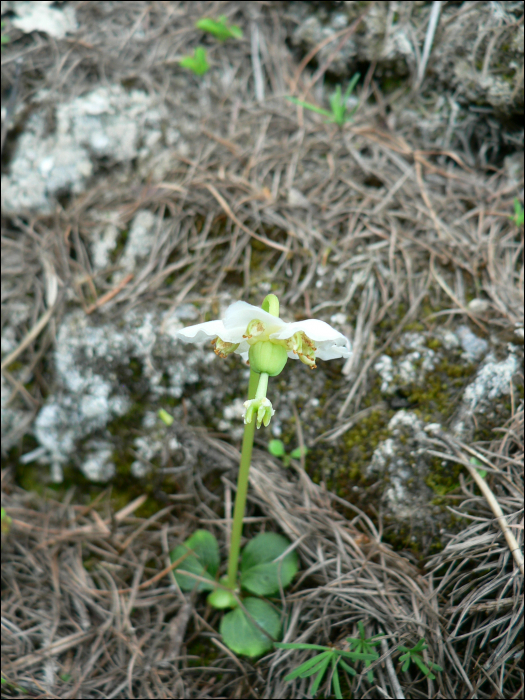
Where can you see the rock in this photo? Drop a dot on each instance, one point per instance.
(457, 384)
(110, 379)
(107, 123)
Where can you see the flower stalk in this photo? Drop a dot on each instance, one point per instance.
(257, 388)
(242, 488)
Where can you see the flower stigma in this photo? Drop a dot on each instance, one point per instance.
(259, 407)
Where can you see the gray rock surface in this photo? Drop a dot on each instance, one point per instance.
(108, 123)
(402, 459)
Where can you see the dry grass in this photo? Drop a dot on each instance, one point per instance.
(87, 592)
(267, 194)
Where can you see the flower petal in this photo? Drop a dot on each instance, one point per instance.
(330, 344)
(239, 315)
(312, 327)
(201, 332)
(331, 351)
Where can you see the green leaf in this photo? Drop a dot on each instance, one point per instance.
(315, 685)
(6, 522)
(351, 85)
(335, 679)
(242, 636)
(260, 573)
(302, 671)
(165, 417)
(276, 448)
(414, 655)
(338, 115)
(204, 561)
(348, 668)
(360, 656)
(477, 463)
(419, 662)
(292, 645)
(219, 29)
(296, 454)
(308, 105)
(319, 660)
(220, 598)
(518, 212)
(5, 37)
(196, 63)
(338, 107)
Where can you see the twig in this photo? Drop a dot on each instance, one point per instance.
(431, 30)
(256, 64)
(109, 295)
(224, 204)
(493, 503)
(30, 336)
(398, 692)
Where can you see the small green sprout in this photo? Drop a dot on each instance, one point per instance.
(319, 664)
(365, 645)
(165, 417)
(276, 448)
(518, 212)
(414, 655)
(196, 63)
(5, 37)
(219, 28)
(6, 522)
(478, 464)
(337, 103)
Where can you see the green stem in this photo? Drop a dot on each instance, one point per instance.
(258, 382)
(242, 488)
(262, 387)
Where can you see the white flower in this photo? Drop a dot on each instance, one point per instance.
(245, 325)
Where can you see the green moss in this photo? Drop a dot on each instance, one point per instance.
(434, 343)
(414, 326)
(443, 478)
(436, 398)
(342, 464)
(401, 537)
(205, 651)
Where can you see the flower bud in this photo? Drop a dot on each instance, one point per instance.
(267, 357)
